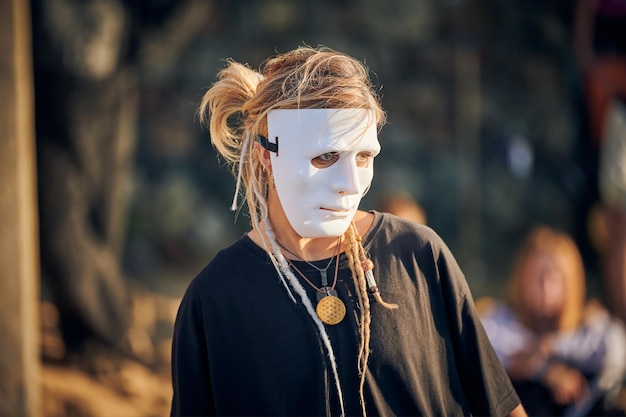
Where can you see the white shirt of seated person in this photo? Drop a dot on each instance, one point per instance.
(323, 167)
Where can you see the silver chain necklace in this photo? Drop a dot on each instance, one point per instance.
(323, 271)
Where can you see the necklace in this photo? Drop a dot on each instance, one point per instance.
(323, 271)
(330, 309)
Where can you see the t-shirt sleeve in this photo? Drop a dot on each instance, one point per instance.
(192, 394)
(486, 384)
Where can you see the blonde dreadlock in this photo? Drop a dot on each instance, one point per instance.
(356, 257)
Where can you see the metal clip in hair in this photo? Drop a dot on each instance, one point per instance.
(272, 147)
(368, 265)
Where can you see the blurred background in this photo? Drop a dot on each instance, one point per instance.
(486, 130)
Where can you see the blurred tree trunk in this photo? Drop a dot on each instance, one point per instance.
(86, 84)
(86, 110)
(19, 266)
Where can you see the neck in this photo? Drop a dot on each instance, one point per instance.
(292, 254)
(309, 249)
(300, 248)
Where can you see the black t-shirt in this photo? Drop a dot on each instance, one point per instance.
(243, 347)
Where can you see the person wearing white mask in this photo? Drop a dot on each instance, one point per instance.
(323, 309)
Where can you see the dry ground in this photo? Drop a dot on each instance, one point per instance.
(103, 383)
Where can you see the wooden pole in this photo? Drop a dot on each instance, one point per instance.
(19, 255)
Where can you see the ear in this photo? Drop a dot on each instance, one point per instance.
(264, 157)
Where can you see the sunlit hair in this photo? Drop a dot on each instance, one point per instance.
(562, 248)
(235, 109)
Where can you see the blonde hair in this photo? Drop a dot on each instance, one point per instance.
(235, 109)
(558, 245)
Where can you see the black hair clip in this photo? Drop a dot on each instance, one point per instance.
(272, 147)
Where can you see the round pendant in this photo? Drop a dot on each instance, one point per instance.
(331, 310)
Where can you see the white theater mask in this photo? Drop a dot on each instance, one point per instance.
(322, 164)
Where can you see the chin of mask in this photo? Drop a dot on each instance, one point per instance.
(323, 165)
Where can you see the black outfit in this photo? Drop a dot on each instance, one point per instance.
(242, 347)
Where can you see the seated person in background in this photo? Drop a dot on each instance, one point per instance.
(564, 354)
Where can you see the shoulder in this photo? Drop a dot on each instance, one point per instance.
(598, 319)
(237, 260)
(404, 239)
(227, 276)
(413, 246)
(391, 229)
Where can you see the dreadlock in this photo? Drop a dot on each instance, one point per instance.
(356, 257)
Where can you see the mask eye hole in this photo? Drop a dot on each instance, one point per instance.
(363, 159)
(325, 160)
